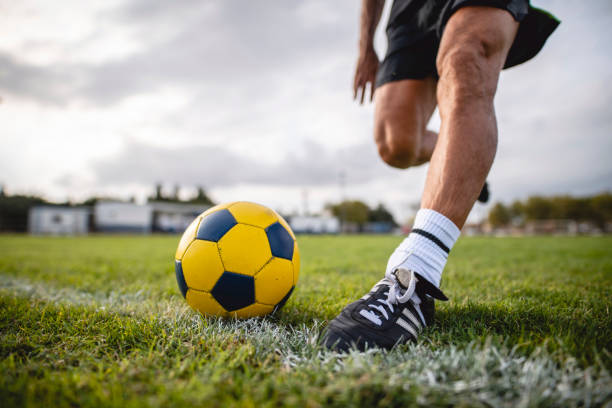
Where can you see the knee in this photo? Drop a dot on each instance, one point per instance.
(468, 72)
(397, 141)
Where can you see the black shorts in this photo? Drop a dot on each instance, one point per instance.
(416, 26)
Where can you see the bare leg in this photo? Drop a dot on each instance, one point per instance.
(472, 53)
(402, 111)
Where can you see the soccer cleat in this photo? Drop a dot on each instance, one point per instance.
(395, 311)
(483, 197)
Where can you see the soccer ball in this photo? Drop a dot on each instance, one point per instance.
(238, 259)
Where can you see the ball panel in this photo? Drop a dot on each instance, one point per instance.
(204, 303)
(244, 249)
(286, 225)
(284, 300)
(281, 242)
(273, 281)
(188, 236)
(216, 208)
(253, 214)
(253, 310)
(296, 263)
(202, 265)
(214, 225)
(234, 291)
(180, 279)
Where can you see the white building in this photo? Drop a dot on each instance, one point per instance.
(174, 217)
(156, 216)
(311, 224)
(113, 216)
(56, 220)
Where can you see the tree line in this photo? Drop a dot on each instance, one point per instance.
(359, 213)
(595, 209)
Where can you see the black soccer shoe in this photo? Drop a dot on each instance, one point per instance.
(483, 197)
(394, 312)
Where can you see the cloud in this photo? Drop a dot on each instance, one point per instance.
(216, 166)
(196, 45)
(43, 84)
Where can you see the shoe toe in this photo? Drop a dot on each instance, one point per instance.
(337, 339)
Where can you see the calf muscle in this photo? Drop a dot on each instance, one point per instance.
(472, 52)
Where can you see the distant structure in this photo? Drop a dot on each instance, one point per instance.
(314, 224)
(113, 217)
(174, 217)
(545, 227)
(378, 227)
(58, 220)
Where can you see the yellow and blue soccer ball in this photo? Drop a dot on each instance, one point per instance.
(238, 259)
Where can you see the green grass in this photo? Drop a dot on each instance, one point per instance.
(99, 321)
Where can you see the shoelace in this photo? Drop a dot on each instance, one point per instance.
(375, 312)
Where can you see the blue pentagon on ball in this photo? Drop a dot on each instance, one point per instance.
(180, 278)
(234, 291)
(281, 243)
(215, 225)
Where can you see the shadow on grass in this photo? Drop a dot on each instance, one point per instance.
(527, 326)
(581, 330)
(298, 316)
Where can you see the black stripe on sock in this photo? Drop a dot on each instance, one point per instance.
(431, 237)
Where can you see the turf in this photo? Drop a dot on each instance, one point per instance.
(99, 321)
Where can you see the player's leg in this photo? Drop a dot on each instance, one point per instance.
(472, 53)
(473, 50)
(402, 111)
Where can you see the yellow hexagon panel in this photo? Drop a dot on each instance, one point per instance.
(216, 208)
(188, 236)
(274, 281)
(244, 249)
(296, 263)
(204, 303)
(253, 310)
(202, 265)
(286, 225)
(253, 214)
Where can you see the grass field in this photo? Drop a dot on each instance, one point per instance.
(99, 321)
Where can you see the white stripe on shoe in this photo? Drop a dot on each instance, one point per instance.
(412, 318)
(407, 326)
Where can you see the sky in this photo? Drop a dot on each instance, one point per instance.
(253, 101)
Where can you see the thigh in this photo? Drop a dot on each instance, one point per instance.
(488, 31)
(408, 103)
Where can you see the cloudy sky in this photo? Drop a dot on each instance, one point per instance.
(252, 100)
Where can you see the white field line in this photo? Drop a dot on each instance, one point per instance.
(133, 303)
(496, 376)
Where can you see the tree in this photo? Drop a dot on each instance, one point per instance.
(202, 198)
(601, 208)
(351, 211)
(499, 215)
(517, 213)
(14, 211)
(381, 214)
(517, 209)
(595, 209)
(159, 195)
(538, 208)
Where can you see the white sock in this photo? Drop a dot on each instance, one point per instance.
(426, 249)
